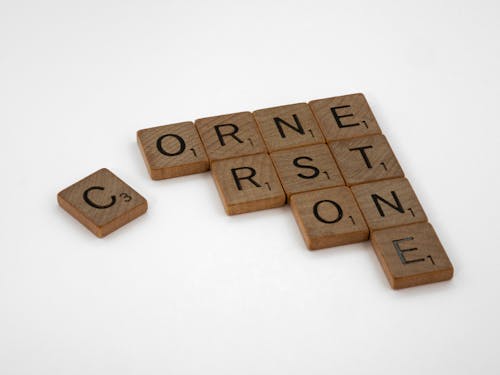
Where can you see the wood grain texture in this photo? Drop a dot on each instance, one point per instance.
(388, 203)
(411, 255)
(288, 126)
(366, 159)
(102, 202)
(306, 168)
(329, 217)
(231, 135)
(344, 117)
(248, 183)
(172, 150)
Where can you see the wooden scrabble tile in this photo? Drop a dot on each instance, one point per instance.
(172, 150)
(329, 217)
(366, 159)
(306, 168)
(388, 203)
(248, 183)
(411, 255)
(344, 117)
(229, 136)
(288, 126)
(102, 202)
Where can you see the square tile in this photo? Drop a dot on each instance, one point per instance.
(288, 126)
(344, 117)
(248, 183)
(388, 203)
(329, 217)
(306, 168)
(366, 159)
(411, 255)
(102, 202)
(172, 150)
(231, 135)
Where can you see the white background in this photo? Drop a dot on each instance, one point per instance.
(186, 289)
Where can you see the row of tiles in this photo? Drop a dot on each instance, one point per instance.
(184, 148)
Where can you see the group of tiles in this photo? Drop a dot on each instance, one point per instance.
(327, 158)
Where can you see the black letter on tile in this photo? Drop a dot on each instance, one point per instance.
(237, 179)
(363, 154)
(338, 117)
(299, 129)
(397, 206)
(182, 145)
(337, 206)
(95, 205)
(315, 172)
(401, 252)
(231, 133)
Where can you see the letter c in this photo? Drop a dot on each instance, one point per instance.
(95, 205)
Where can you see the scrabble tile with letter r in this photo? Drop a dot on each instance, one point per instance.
(248, 183)
(328, 217)
(344, 117)
(288, 126)
(172, 150)
(411, 255)
(102, 202)
(229, 136)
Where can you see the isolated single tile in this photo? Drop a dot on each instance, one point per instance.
(102, 202)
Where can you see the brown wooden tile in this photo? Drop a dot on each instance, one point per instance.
(388, 203)
(288, 126)
(102, 202)
(306, 168)
(366, 159)
(229, 136)
(344, 117)
(172, 150)
(329, 217)
(411, 255)
(248, 183)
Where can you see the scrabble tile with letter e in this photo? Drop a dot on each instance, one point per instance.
(366, 159)
(328, 217)
(229, 136)
(248, 183)
(172, 150)
(411, 255)
(102, 202)
(344, 117)
(306, 168)
(388, 203)
(288, 126)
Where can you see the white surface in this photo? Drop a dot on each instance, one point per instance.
(186, 289)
